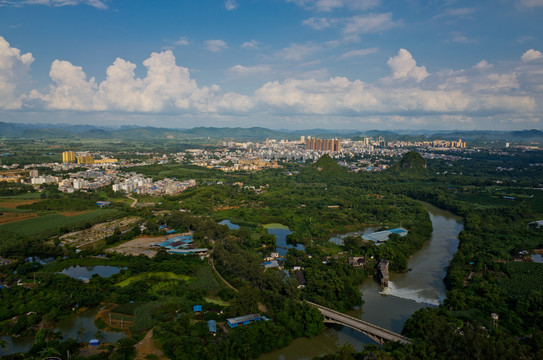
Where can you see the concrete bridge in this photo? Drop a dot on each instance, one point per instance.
(374, 332)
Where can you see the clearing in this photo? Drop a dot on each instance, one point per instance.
(11, 217)
(142, 245)
(147, 347)
(98, 232)
(13, 203)
(147, 275)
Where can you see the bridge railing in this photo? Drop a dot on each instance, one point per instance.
(391, 334)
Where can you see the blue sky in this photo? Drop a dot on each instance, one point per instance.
(338, 64)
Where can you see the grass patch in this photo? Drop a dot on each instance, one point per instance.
(9, 209)
(34, 195)
(205, 281)
(215, 300)
(148, 275)
(100, 324)
(53, 221)
(275, 226)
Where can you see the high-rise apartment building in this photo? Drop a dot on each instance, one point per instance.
(333, 145)
(85, 159)
(68, 157)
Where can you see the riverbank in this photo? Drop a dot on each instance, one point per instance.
(421, 286)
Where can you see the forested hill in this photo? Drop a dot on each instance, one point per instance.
(412, 163)
(56, 131)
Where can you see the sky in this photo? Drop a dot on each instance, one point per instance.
(279, 64)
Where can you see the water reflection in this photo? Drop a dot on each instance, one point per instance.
(104, 271)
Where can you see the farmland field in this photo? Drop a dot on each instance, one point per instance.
(13, 203)
(14, 216)
(166, 275)
(52, 221)
(34, 195)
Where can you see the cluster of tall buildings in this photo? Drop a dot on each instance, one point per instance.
(83, 158)
(333, 145)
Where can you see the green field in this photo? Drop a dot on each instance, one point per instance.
(147, 275)
(5, 209)
(52, 221)
(217, 301)
(34, 195)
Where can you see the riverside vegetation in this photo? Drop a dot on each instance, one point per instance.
(316, 201)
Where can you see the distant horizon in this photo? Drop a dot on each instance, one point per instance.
(267, 128)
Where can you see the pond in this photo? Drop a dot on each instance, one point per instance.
(104, 271)
(79, 326)
(281, 232)
(339, 239)
(229, 224)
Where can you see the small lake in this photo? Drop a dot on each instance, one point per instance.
(104, 271)
(229, 224)
(82, 323)
(281, 232)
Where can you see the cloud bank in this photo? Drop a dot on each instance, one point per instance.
(410, 91)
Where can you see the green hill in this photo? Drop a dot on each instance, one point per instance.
(411, 163)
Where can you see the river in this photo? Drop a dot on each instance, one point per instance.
(408, 292)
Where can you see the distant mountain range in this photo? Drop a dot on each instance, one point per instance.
(57, 131)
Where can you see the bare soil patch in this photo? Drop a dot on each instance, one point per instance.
(13, 203)
(74, 213)
(141, 245)
(10, 217)
(98, 231)
(147, 347)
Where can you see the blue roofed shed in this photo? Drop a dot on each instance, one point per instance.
(94, 342)
(197, 308)
(212, 326)
(243, 320)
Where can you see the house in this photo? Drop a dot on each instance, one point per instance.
(243, 320)
(357, 261)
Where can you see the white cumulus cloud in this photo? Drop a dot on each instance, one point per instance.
(165, 87)
(13, 68)
(531, 55)
(403, 66)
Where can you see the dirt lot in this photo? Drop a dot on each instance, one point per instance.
(146, 347)
(9, 217)
(141, 245)
(13, 203)
(98, 231)
(73, 213)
